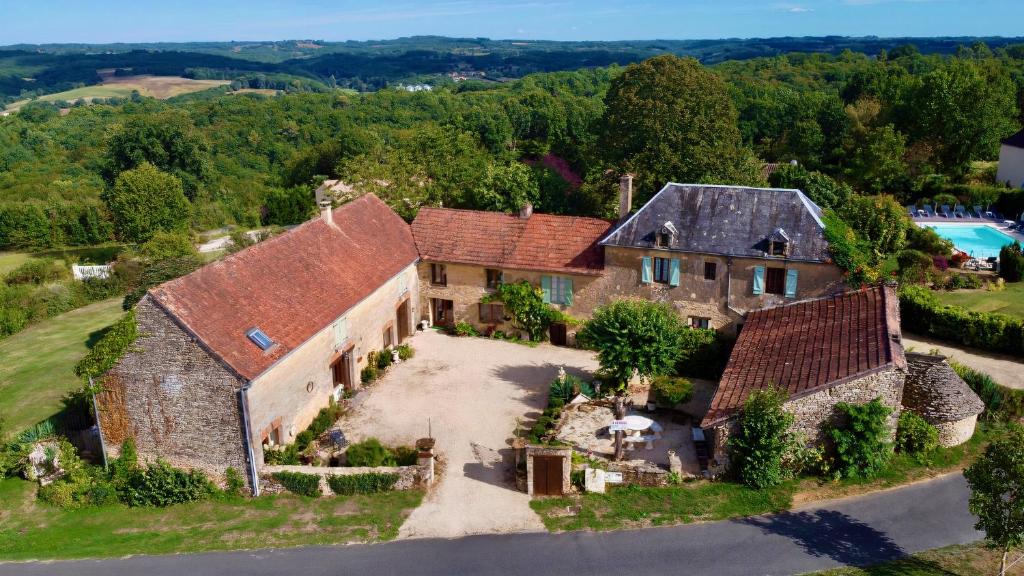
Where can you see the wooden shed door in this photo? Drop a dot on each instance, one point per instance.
(547, 475)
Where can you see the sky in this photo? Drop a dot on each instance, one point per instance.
(55, 21)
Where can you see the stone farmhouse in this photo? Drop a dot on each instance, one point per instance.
(1011, 161)
(244, 352)
(843, 348)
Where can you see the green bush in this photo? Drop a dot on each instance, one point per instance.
(368, 483)
(234, 482)
(463, 328)
(762, 440)
(1011, 262)
(299, 483)
(914, 265)
(160, 484)
(405, 455)
(861, 439)
(916, 436)
(703, 353)
(369, 453)
(38, 271)
(671, 390)
(368, 374)
(922, 313)
(405, 352)
(568, 388)
(384, 360)
(167, 245)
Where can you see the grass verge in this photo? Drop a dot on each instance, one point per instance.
(35, 530)
(38, 362)
(965, 560)
(638, 507)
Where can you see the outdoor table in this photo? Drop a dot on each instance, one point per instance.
(637, 422)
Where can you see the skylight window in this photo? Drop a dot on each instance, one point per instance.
(260, 338)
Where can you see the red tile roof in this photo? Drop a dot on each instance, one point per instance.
(290, 286)
(808, 346)
(543, 242)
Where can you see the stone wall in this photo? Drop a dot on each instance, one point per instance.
(957, 432)
(697, 297)
(292, 392)
(813, 411)
(177, 401)
(409, 477)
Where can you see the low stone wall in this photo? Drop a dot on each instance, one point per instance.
(409, 477)
(956, 433)
(640, 474)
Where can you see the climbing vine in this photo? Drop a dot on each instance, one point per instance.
(525, 304)
(109, 349)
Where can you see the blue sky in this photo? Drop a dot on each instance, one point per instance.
(183, 20)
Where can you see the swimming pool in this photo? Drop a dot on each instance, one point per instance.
(978, 240)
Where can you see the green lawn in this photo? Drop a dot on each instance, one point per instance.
(967, 560)
(11, 260)
(30, 529)
(38, 362)
(1009, 301)
(100, 254)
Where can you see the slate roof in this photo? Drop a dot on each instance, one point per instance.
(1017, 140)
(936, 392)
(290, 286)
(809, 346)
(542, 242)
(728, 220)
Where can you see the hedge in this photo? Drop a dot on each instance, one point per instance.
(922, 313)
(368, 483)
(1001, 403)
(110, 348)
(299, 483)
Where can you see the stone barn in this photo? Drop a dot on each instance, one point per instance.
(845, 348)
(939, 395)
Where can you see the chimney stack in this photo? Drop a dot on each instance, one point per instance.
(625, 195)
(325, 211)
(526, 211)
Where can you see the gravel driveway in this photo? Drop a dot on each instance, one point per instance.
(471, 390)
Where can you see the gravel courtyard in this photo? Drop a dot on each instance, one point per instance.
(471, 390)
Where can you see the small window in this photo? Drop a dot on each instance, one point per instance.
(387, 337)
(662, 270)
(494, 278)
(259, 338)
(778, 248)
(710, 270)
(775, 281)
(698, 322)
(561, 290)
(492, 313)
(272, 436)
(438, 275)
(661, 240)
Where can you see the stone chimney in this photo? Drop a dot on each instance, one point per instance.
(325, 211)
(526, 211)
(625, 195)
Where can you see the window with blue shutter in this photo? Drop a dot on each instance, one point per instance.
(567, 291)
(791, 283)
(673, 279)
(545, 287)
(645, 270)
(758, 280)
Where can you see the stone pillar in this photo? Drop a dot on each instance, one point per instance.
(425, 460)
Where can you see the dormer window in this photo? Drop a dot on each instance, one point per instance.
(778, 243)
(665, 237)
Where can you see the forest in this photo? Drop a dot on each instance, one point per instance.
(900, 122)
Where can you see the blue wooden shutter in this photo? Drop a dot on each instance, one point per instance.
(567, 291)
(545, 286)
(758, 280)
(645, 270)
(673, 277)
(791, 283)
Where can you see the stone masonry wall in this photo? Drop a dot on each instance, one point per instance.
(812, 412)
(294, 390)
(958, 432)
(178, 402)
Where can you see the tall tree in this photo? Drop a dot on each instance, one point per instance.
(997, 494)
(145, 200)
(507, 187)
(167, 140)
(670, 119)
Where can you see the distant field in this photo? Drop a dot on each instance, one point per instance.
(1009, 301)
(160, 87)
(266, 91)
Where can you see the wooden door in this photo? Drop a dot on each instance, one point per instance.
(443, 312)
(559, 334)
(402, 321)
(342, 369)
(547, 475)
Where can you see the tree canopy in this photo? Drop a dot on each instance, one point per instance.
(144, 201)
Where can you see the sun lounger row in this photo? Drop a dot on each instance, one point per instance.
(958, 211)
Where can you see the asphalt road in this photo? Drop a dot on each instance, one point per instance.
(854, 531)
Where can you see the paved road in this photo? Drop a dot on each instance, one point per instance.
(864, 530)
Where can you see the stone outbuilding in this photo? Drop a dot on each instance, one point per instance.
(845, 348)
(939, 395)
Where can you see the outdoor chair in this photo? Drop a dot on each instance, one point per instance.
(929, 211)
(944, 210)
(912, 210)
(983, 213)
(959, 212)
